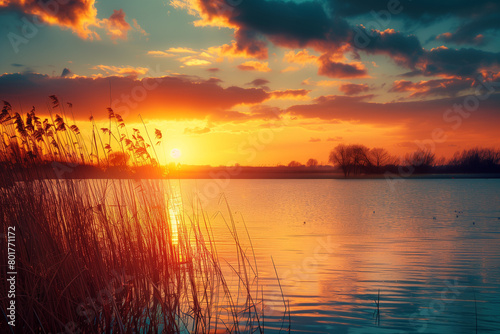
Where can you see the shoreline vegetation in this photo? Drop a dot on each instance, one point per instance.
(61, 171)
(115, 256)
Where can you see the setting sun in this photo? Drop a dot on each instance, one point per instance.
(175, 153)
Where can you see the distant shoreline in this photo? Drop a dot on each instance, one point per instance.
(207, 172)
(326, 176)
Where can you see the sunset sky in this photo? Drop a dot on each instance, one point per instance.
(263, 82)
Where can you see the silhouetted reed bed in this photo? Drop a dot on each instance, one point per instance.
(111, 256)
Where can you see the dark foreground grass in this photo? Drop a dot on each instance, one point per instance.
(118, 256)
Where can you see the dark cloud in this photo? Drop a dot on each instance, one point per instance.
(334, 69)
(16, 65)
(354, 89)
(265, 112)
(258, 82)
(66, 72)
(475, 17)
(289, 93)
(323, 27)
(213, 69)
(465, 62)
(472, 32)
(416, 118)
(422, 10)
(214, 80)
(308, 24)
(289, 23)
(438, 87)
(131, 95)
(247, 41)
(254, 66)
(405, 50)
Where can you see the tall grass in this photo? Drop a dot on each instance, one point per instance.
(28, 140)
(115, 256)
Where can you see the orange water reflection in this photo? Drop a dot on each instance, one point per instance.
(337, 243)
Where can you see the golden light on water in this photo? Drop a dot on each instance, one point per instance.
(174, 211)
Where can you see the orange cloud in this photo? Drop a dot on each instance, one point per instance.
(181, 50)
(334, 69)
(255, 66)
(301, 57)
(445, 87)
(138, 28)
(116, 25)
(195, 58)
(192, 57)
(160, 54)
(247, 45)
(210, 13)
(193, 61)
(122, 70)
(321, 83)
(234, 50)
(338, 138)
(290, 69)
(78, 15)
(291, 94)
(354, 89)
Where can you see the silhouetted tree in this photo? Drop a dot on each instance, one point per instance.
(341, 155)
(476, 160)
(312, 163)
(360, 159)
(294, 164)
(380, 157)
(421, 160)
(352, 159)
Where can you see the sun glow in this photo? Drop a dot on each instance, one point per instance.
(175, 153)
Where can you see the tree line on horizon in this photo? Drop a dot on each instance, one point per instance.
(357, 159)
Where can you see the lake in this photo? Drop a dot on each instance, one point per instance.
(361, 256)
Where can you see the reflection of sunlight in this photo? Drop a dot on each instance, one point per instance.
(174, 210)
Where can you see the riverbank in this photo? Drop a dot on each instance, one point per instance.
(62, 171)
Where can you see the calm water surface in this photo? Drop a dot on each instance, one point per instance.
(426, 251)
